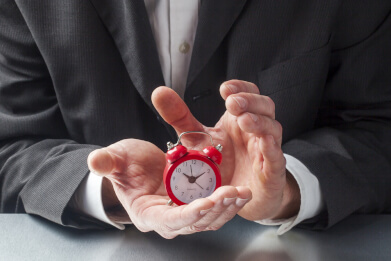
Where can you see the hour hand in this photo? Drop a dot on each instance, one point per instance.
(187, 176)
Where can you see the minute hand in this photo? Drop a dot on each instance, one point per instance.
(200, 175)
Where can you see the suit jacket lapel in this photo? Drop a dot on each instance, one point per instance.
(215, 19)
(128, 23)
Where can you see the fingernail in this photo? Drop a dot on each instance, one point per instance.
(241, 102)
(203, 212)
(253, 117)
(232, 88)
(228, 201)
(240, 202)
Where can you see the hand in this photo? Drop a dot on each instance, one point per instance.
(251, 137)
(135, 170)
(187, 176)
(199, 175)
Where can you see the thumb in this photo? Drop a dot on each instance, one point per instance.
(272, 166)
(174, 110)
(104, 162)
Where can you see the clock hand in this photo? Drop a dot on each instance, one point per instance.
(198, 185)
(191, 179)
(191, 171)
(187, 176)
(200, 175)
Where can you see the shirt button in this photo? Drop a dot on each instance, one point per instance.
(184, 47)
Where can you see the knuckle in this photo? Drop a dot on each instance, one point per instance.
(261, 124)
(167, 228)
(140, 227)
(228, 215)
(251, 98)
(253, 87)
(270, 103)
(246, 86)
(168, 235)
(278, 158)
(197, 228)
(278, 127)
(283, 159)
(214, 227)
(230, 212)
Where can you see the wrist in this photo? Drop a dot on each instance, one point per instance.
(111, 204)
(109, 198)
(291, 199)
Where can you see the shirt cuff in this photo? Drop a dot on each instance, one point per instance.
(88, 200)
(310, 194)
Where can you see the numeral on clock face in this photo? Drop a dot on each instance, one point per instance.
(192, 179)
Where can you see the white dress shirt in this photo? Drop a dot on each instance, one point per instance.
(174, 24)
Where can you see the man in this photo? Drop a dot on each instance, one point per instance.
(77, 76)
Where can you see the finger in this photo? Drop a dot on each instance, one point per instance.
(174, 110)
(237, 86)
(272, 167)
(243, 197)
(260, 126)
(166, 220)
(103, 162)
(223, 198)
(190, 213)
(239, 103)
(123, 161)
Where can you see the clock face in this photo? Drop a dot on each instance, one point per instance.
(192, 179)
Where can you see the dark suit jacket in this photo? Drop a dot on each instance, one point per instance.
(75, 75)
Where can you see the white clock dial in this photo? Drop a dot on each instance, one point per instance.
(192, 179)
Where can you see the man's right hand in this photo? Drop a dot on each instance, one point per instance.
(135, 169)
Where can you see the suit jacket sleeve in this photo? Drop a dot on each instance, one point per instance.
(350, 149)
(40, 167)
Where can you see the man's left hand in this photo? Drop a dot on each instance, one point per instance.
(251, 137)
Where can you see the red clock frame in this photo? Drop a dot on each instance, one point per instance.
(191, 155)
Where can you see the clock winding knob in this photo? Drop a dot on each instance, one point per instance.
(214, 153)
(175, 153)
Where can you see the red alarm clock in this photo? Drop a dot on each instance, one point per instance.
(191, 174)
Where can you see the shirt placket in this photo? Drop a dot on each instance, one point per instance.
(183, 25)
